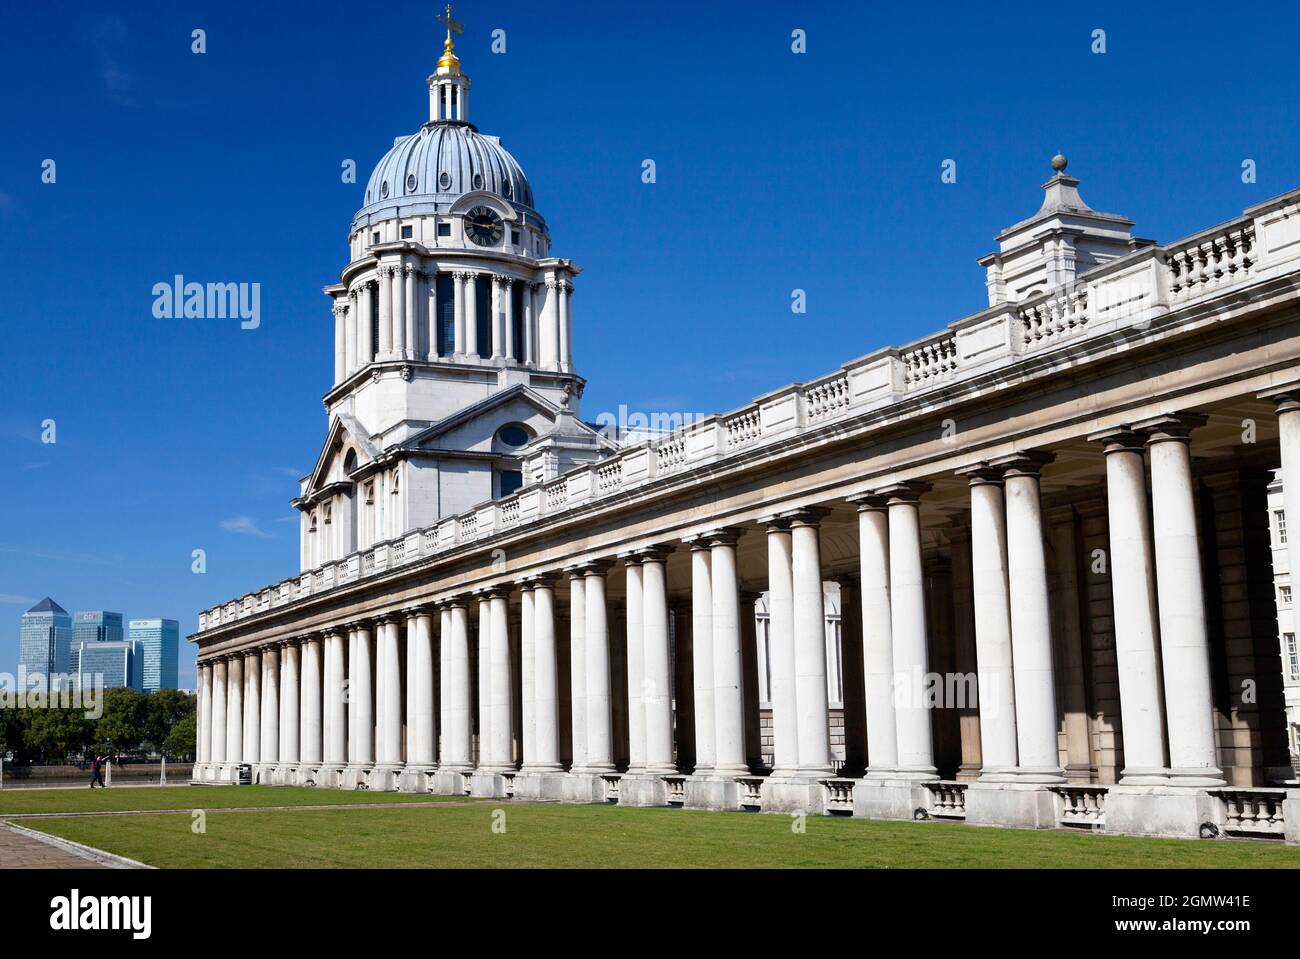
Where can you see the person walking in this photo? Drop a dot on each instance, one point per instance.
(97, 772)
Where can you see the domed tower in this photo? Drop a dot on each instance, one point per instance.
(453, 339)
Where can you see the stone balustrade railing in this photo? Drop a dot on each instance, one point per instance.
(947, 799)
(751, 792)
(1133, 292)
(1081, 806)
(838, 794)
(1252, 812)
(676, 790)
(611, 782)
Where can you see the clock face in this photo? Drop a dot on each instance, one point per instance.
(483, 226)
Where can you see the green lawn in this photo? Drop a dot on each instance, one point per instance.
(189, 797)
(604, 836)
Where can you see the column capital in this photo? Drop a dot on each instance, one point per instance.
(868, 501)
(594, 567)
(1119, 439)
(1023, 463)
(981, 474)
(1286, 397)
(723, 536)
(909, 491)
(807, 515)
(658, 553)
(1170, 427)
(546, 580)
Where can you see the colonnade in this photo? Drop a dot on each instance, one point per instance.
(404, 297)
(283, 706)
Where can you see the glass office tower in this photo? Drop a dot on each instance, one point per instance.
(158, 641)
(94, 626)
(116, 664)
(45, 643)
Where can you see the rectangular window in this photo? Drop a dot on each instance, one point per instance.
(1284, 595)
(517, 311)
(1292, 655)
(1280, 517)
(374, 321)
(374, 237)
(483, 314)
(408, 232)
(514, 237)
(834, 664)
(761, 624)
(509, 482)
(444, 229)
(446, 294)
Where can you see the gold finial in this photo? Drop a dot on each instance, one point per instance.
(449, 63)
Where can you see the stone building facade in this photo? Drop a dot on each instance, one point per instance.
(1041, 534)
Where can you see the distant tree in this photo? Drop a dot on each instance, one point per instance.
(52, 735)
(13, 726)
(162, 710)
(122, 723)
(182, 738)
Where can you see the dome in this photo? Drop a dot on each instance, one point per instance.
(428, 171)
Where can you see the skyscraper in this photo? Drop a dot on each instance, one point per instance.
(93, 626)
(157, 644)
(45, 646)
(116, 664)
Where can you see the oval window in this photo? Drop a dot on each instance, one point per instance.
(444, 180)
(507, 190)
(478, 181)
(384, 190)
(410, 183)
(512, 435)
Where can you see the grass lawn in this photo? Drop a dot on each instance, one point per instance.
(189, 797)
(604, 836)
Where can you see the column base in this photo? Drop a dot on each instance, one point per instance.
(1163, 810)
(792, 794)
(1018, 805)
(642, 789)
(540, 785)
(713, 792)
(450, 782)
(884, 795)
(584, 787)
(384, 777)
(284, 774)
(262, 773)
(487, 784)
(416, 779)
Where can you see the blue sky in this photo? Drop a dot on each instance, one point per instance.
(775, 171)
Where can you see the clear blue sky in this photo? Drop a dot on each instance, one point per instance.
(776, 171)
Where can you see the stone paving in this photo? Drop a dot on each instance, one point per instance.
(20, 851)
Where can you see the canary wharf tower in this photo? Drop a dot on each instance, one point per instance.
(454, 376)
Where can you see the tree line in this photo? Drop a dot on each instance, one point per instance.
(131, 725)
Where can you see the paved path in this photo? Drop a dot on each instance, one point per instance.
(216, 809)
(21, 851)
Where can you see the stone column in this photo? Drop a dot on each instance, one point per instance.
(310, 722)
(411, 340)
(1031, 621)
(635, 665)
(657, 676)
(361, 695)
(546, 677)
(217, 746)
(549, 355)
(508, 307)
(907, 611)
(877, 635)
(351, 334)
(204, 747)
(290, 700)
(340, 341)
(235, 710)
(577, 666)
(781, 641)
(350, 731)
(1184, 636)
(728, 658)
(702, 653)
(810, 644)
(459, 311)
(600, 752)
(527, 671)
(388, 694)
(271, 706)
(253, 708)
(457, 728)
(1132, 573)
(997, 690)
(365, 345)
(484, 648)
(385, 344)
(421, 724)
(471, 314)
(498, 330)
(564, 290)
(431, 315)
(530, 323)
(398, 274)
(501, 688)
